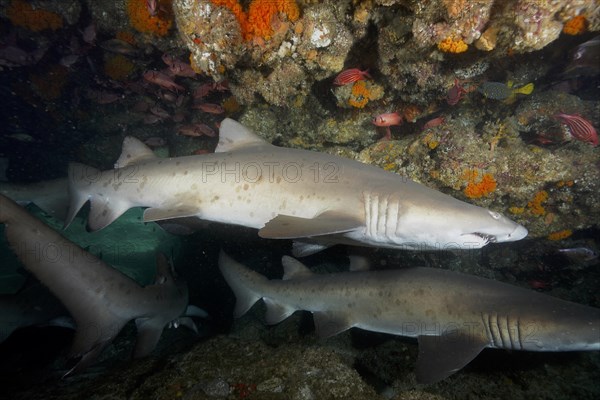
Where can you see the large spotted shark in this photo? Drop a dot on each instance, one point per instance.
(100, 299)
(452, 315)
(315, 198)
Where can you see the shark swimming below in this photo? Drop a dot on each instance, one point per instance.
(318, 199)
(99, 298)
(452, 315)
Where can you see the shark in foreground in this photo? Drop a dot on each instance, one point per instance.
(452, 315)
(315, 198)
(99, 298)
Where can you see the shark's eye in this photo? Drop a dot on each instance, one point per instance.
(494, 214)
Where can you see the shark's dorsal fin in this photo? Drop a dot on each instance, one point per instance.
(441, 356)
(294, 269)
(133, 151)
(234, 136)
(326, 223)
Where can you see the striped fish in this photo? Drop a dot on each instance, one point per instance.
(350, 76)
(579, 127)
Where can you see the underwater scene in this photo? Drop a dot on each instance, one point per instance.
(296, 199)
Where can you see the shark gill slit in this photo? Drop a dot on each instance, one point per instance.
(500, 329)
(381, 215)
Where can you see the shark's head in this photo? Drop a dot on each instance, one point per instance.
(486, 226)
(457, 225)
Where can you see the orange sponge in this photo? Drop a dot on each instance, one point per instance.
(450, 45)
(575, 26)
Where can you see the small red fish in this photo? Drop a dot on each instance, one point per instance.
(162, 80)
(159, 111)
(579, 127)
(197, 130)
(209, 108)
(350, 76)
(178, 67)
(387, 119)
(434, 122)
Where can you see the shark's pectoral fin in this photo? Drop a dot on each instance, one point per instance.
(158, 214)
(94, 332)
(329, 324)
(276, 312)
(441, 356)
(327, 223)
(148, 334)
(87, 358)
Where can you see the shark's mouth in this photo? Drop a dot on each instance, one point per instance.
(487, 238)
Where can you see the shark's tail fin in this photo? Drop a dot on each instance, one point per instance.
(244, 282)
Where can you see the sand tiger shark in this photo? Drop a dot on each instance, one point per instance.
(316, 198)
(452, 315)
(99, 298)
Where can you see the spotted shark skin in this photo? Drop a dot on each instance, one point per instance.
(315, 198)
(453, 316)
(99, 298)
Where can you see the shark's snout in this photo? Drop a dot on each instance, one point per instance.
(517, 234)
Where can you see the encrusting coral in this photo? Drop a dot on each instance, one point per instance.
(475, 190)
(144, 22)
(575, 26)
(257, 22)
(450, 45)
(23, 14)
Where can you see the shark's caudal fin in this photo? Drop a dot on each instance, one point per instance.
(51, 196)
(242, 281)
(100, 299)
(83, 179)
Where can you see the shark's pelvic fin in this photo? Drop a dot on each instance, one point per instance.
(234, 136)
(326, 223)
(276, 312)
(158, 214)
(133, 151)
(329, 324)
